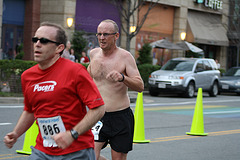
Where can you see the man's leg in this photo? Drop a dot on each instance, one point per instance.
(102, 158)
(97, 149)
(118, 155)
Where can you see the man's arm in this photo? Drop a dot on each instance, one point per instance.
(133, 79)
(90, 119)
(65, 139)
(25, 121)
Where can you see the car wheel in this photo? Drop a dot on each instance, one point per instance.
(153, 92)
(190, 90)
(214, 90)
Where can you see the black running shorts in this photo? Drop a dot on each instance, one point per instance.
(117, 130)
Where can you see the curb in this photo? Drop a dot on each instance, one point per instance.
(11, 100)
(14, 100)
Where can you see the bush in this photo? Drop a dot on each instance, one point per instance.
(85, 64)
(145, 70)
(11, 71)
(222, 71)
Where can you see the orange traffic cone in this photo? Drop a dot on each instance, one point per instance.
(30, 139)
(197, 127)
(139, 132)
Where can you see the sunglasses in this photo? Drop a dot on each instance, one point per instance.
(105, 34)
(43, 40)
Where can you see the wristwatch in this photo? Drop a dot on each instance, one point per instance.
(74, 134)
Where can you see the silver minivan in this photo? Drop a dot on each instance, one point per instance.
(184, 76)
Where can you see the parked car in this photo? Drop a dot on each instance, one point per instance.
(184, 76)
(230, 81)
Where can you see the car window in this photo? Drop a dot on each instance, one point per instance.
(178, 65)
(200, 66)
(233, 72)
(214, 65)
(237, 73)
(207, 65)
(184, 66)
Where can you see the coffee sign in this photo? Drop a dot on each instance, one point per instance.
(213, 4)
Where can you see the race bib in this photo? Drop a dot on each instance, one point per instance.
(48, 128)
(96, 129)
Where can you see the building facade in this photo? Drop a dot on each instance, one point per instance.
(205, 24)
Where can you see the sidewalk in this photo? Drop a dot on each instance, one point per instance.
(12, 100)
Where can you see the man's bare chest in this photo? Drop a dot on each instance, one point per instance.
(101, 68)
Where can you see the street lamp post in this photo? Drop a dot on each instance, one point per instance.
(183, 36)
(69, 22)
(132, 29)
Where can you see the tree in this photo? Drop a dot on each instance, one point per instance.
(78, 42)
(234, 26)
(127, 10)
(145, 54)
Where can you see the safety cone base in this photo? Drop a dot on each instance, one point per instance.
(29, 140)
(141, 141)
(197, 134)
(23, 152)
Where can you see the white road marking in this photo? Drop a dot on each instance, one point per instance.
(4, 124)
(182, 103)
(222, 112)
(11, 107)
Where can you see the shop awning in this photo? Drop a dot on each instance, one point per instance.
(207, 28)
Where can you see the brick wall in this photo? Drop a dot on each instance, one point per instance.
(31, 23)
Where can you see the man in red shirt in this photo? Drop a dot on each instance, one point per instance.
(56, 93)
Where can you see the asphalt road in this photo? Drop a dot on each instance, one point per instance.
(167, 118)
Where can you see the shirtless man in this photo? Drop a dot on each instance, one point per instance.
(114, 70)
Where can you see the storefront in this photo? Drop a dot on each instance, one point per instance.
(207, 30)
(12, 27)
(158, 25)
(205, 25)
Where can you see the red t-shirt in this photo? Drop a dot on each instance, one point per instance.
(64, 89)
(84, 59)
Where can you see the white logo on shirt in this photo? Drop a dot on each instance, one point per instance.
(44, 86)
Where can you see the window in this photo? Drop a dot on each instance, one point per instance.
(207, 65)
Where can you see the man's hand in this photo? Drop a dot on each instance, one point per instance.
(114, 76)
(10, 139)
(63, 139)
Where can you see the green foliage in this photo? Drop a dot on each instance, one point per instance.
(85, 64)
(11, 70)
(20, 55)
(145, 54)
(222, 71)
(15, 66)
(145, 71)
(20, 52)
(10, 94)
(78, 42)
